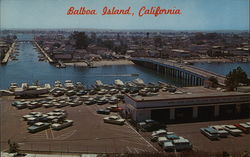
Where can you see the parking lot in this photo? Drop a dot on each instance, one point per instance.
(201, 142)
(191, 131)
(88, 134)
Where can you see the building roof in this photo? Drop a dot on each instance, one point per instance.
(187, 93)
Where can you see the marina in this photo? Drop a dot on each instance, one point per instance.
(129, 107)
(19, 70)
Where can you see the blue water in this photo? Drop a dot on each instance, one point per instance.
(28, 69)
(223, 68)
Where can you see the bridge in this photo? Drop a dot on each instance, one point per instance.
(24, 40)
(192, 75)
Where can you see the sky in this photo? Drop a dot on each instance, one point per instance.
(196, 15)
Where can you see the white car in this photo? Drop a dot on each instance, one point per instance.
(65, 124)
(156, 134)
(222, 132)
(161, 140)
(182, 144)
(159, 132)
(114, 120)
(233, 130)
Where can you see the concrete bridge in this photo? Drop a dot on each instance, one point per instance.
(193, 76)
(24, 40)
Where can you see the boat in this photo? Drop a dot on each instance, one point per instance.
(139, 82)
(98, 83)
(27, 90)
(119, 83)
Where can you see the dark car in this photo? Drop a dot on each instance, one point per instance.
(152, 125)
(103, 111)
(21, 106)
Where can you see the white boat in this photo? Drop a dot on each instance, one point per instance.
(138, 81)
(98, 83)
(119, 83)
(30, 90)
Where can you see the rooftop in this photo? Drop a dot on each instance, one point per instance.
(187, 92)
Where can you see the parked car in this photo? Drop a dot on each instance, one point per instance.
(39, 126)
(158, 133)
(103, 111)
(172, 136)
(47, 105)
(182, 144)
(211, 133)
(233, 130)
(168, 146)
(64, 124)
(152, 125)
(33, 106)
(244, 127)
(21, 106)
(222, 133)
(161, 140)
(114, 108)
(114, 120)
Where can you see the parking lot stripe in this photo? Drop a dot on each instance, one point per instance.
(129, 150)
(46, 134)
(134, 142)
(52, 134)
(142, 137)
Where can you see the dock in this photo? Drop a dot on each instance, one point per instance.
(7, 55)
(44, 53)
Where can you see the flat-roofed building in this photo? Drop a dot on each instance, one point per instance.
(188, 103)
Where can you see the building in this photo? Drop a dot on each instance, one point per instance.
(187, 104)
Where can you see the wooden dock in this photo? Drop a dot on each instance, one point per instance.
(7, 55)
(44, 53)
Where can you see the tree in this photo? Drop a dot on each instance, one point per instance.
(235, 77)
(13, 147)
(158, 41)
(108, 44)
(214, 81)
(57, 45)
(81, 40)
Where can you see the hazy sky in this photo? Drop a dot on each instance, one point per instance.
(196, 14)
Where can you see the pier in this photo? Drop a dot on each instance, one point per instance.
(7, 55)
(44, 53)
(191, 74)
